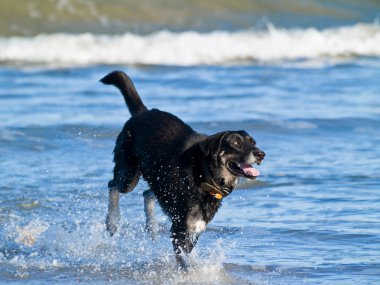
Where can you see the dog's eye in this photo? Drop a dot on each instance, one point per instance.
(236, 143)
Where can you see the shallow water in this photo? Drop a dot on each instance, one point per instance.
(311, 218)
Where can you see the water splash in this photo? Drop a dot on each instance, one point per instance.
(29, 234)
(84, 248)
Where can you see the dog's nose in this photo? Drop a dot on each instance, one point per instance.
(259, 155)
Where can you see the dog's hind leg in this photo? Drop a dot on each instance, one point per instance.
(126, 176)
(113, 216)
(124, 185)
(151, 223)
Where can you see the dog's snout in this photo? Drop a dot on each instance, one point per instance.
(259, 154)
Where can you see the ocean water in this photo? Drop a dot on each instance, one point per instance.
(306, 88)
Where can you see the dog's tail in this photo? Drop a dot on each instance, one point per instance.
(126, 87)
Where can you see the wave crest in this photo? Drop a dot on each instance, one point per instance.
(193, 48)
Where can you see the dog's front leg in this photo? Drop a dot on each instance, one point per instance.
(183, 242)
(113, 216)
(151, 224)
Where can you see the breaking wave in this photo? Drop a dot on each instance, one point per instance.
(194, 48)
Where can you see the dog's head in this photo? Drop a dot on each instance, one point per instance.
(233, 153)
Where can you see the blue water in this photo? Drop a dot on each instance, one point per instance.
(312, 217)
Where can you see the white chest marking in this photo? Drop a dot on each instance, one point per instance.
(196, 226)
(200, 226)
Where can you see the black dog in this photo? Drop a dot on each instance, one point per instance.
(188, 173)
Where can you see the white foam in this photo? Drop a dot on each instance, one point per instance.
(193, 48)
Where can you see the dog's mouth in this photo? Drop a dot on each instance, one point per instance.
(242, 170)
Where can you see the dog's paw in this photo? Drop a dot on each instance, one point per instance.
(182, 265)
(151, 229)
(112, 222)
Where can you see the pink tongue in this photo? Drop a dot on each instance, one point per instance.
(249, 170)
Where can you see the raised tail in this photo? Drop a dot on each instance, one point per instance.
(126, 87)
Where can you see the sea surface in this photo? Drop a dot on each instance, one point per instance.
(302, 77)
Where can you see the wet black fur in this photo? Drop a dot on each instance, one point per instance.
(172, 158)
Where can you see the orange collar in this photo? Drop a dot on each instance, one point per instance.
(218, 193)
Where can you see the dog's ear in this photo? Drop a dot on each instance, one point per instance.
(212, 144)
